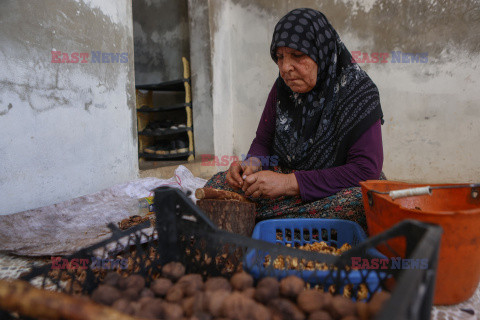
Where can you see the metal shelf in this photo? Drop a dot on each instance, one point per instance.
(164, 156)
(166, 132)
(164, 108)
(174, 85)
(146, 112)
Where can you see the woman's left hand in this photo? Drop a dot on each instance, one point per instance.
(269, 184)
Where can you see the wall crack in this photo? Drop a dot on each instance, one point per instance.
(9, 107)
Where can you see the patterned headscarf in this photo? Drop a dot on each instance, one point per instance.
(314, 130)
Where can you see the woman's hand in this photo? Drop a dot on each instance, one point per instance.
(269, 184)
(240, 169)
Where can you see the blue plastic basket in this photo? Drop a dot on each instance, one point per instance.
(298, 232)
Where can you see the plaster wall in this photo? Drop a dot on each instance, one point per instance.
(67, 129)
(201, 71)
(432, 110)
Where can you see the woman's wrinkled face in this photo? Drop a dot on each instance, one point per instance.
(298, 70)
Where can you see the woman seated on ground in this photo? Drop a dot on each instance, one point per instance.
(321, 124)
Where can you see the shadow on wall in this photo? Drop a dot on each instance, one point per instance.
(161, 39)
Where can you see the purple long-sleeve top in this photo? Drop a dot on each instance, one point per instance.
(364, 158)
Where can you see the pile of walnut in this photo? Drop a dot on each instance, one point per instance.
(289, 263)
(180, 296)
(293, 263)
(129, 222)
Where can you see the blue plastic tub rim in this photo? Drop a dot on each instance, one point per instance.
(298, 232)
(346, 231)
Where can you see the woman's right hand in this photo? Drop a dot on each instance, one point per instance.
(240, 169)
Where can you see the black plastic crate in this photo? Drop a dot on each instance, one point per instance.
(183, 233)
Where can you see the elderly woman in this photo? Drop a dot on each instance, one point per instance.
(321, 123)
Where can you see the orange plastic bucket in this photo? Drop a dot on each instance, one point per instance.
(456, 210)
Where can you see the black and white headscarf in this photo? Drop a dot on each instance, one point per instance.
(315, 130)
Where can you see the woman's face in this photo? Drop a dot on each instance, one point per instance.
(298, 70)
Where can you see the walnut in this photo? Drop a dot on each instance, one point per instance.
(241, 281)
(286, 309)
(147, 300)
(201, 316)
(347, 291)
(191, 283)
(312, 300)
(131, 294)
(172, 311)
(362, 310)
(291, 286)
(135, 305)
(187, 305)
(320, 315)
(259, 312)
(249, 292)
(195, 305)
(175, 293)
(135, 282)
(123, 305)
(377, 301)
(340, 307)
(74, 287)
(105, 294)
(362, 292)
(215, 301)
(161, 286)
(122, 283)
(237, 306)
(332, 289)
(111, 279)
(200, 303)
(217, 283)
(173, 270)
(151, 309)
(288, 262)
(344, 247)
(267, 289)
(146, 292)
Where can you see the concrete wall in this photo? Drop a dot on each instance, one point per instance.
(161, 38)
(67, 129)
(201, 68)
(432, 110)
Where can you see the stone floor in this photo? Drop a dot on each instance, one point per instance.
(166, 169)
(11, 267)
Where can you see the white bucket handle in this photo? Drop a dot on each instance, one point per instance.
(410, 192)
